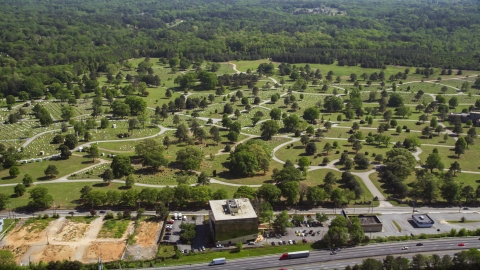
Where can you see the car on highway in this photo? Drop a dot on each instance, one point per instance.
(420, 244)
(466, 208)
(404, 248)
(461, 245)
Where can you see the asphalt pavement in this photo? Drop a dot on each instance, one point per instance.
(436, 246)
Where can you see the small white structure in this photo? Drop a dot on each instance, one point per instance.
(102, 154)
(42, 153)
(80, 149)
(24, 162)
(32, 160)
(39, 159)
(114, 126)
(1, 224)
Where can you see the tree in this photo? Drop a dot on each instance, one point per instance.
(27, 180)
(19, 190)
(107, 176)
(303, 163)
(333, 104)
(362, 161)
(455, 167)
(315, 194)
(291, 122)
(14, 171)
(182, 133)
(190, 157)
(327, 147)
(290, 190)
(40, 198)
(310, 114)
(337, 234)
(281, 222)
(434, 162)
(94, 152)
(121, 166)
(275, 114)
(269, 128)
(203, 179)
(453, 102)
(311, 148)
(71, 141)
(395, 100)
(4, 201)
(67, 112)
(245, 192)
(269, 193)
(356, 231)
(403, 111)
(155, 160)
(51, 171)
(265, 212)
(243, 163)
(220, 194)
(357, 146)
(129, 181)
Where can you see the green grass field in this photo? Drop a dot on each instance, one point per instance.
(113, 228)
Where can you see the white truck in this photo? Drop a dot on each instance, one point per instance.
(218, 261)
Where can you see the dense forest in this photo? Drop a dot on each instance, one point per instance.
(81, 36)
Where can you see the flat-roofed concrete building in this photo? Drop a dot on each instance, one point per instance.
(232, 221)
(423, 220)
(370, 223)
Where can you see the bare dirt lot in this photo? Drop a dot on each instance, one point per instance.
(108, 251)
(63, 239)
(146, 238)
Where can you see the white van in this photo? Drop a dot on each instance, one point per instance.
(218, 261)
(175, 216)
(179, 216)
(184, 218)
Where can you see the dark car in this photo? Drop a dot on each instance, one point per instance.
(102, 211)
(310, 232)
(166, 237)
(283, 242)
(168, 233)
(304, 231)
(273, 243)
(420, 244)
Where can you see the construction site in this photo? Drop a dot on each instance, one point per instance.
(85, 239)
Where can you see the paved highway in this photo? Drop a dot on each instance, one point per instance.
(379, 210)
(437, 246)
(341, 264)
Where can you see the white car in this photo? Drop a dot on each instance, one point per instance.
(404, 248)
(290, 242)
(179, 215)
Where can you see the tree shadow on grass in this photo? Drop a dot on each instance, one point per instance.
(124, 188)
(100, 185)
(45, 178)
(8, 177)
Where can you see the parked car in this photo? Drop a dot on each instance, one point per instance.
(283, 242)
(166, 237)
(290, 242)
(168, 233)
(304, 240)
(219, 246)
(171, 221)
(251, 243)
(466, 208)
(294, 241)
(279, 243)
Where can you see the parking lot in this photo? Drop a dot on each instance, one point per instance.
(305, 232)
(441, 224)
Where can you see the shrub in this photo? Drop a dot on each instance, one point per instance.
(109, 215)
(228, 148)
(407, 130)
(362, 122)
(337, 152)
(373, 154)
(45, 216)
(366, 153)
(404, 127)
